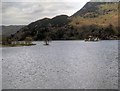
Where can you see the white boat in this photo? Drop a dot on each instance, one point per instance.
(91, 38)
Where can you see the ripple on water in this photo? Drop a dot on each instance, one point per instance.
(64, 64)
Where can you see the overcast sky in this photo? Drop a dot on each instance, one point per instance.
(22, 12)
(27, 11)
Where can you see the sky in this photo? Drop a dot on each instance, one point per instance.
(27, 11)
(23, 12)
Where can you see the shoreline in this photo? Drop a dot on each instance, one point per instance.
(16, 45)
(20, 45)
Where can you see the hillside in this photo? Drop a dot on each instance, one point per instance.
(8, 30)
(96, 13)
(38, 29)
(95, 18)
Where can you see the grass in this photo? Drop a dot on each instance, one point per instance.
(112, 6)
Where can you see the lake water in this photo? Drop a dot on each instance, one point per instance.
(62, 65)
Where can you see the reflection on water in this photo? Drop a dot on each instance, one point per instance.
(62, 65)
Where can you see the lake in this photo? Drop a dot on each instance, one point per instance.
(61, 65)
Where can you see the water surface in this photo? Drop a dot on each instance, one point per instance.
(62, 65)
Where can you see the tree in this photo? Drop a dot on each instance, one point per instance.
(28, 40)
(6, 40)
(47, 38)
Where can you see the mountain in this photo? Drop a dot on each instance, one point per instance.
(56, 21)
(98, 19)
(97, 13)
(12, 29)
(88, 9)
(37, 30)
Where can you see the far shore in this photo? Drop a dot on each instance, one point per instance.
(19, 45)
(15, 45)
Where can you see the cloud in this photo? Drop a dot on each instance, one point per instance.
(45, 0)
(26, 12)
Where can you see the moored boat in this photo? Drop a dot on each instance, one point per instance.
(91, 38)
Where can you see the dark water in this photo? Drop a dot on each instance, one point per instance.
(62, 65)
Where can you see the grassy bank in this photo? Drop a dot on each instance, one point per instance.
(15, 45)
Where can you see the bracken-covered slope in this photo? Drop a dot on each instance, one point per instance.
(99, 13)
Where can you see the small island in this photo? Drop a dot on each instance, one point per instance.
(8, 42)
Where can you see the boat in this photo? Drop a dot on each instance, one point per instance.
(91, 38)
